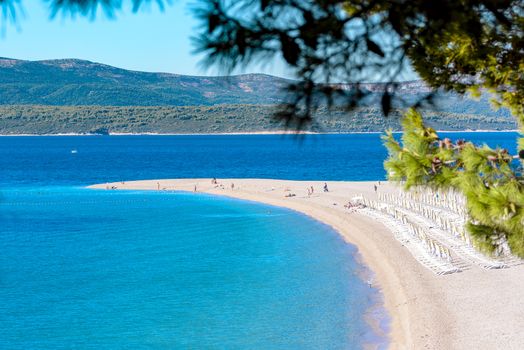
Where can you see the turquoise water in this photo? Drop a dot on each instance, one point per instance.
(92, 269)
(89, 269)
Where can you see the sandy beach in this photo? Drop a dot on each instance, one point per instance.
(476, 308)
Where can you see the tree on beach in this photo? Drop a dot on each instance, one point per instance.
(465, 46)
(335, 46)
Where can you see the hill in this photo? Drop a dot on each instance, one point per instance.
(213, 119)
(72, 82)
(38, 96)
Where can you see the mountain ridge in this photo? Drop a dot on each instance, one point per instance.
(92, 89)
(82, 82)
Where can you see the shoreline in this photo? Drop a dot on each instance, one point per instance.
(398, 337)
(282, 132)
(376, 316)
(389, 287)
(425, 310)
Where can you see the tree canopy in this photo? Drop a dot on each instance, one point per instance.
(473, 46)
(462, 45)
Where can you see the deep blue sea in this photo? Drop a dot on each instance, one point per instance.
(91, 269)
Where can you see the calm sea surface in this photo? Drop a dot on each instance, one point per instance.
(91, 269)
(44, 161)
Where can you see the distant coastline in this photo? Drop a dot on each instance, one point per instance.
(246, 133)
(221, 119)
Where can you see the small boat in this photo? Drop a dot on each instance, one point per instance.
(74, 151)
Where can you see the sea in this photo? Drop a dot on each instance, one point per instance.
(96, 269)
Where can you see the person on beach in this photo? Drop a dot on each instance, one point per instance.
(232, 186)
(375, 186)
(158, 186)
(312, 190)
(308, 192)
(195, 188)
(326, 187)
(214, 181)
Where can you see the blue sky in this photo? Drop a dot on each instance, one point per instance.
(149, 40)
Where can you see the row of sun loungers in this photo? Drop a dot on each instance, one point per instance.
(447, 211)
(449, 200)
(429, 252)
(445, 220)
(462, 248)
(436, 222)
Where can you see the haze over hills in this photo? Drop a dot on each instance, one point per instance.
(40, 96)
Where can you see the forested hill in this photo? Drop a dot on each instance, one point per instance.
(72, 82)
(76, 96)
(215, 119)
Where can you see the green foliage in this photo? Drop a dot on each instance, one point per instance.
(480, 235)
(487, 177)
(455, 45)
